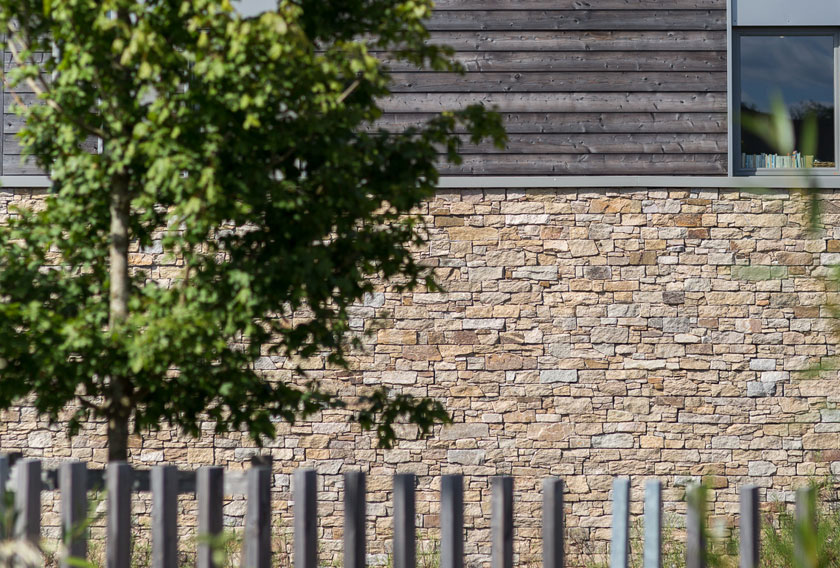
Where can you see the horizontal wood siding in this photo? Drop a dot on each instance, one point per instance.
(601, 87)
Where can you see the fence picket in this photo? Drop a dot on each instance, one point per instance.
(73, 484)
(552, 528)
(257, 544)
(695, 546)
(5, 516)
(452, 521)
(750, 527)
(805, 535)
(306, 518)
(405, 546)
(501, 522)
(28, 501)
(354, 519)
(652, 551)
(118, 541)
(210, 493)
(165, 516)
(73, 480)
(620, 545)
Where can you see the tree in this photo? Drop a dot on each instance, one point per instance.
(246, 148)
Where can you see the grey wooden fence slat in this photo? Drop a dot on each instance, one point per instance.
(405, 545)
(73, 481)
(165, 516)
(695, 546)
(210, 493)
(501, 522)
(257, 544)
(750, 527)
(804, 535)
(118, 543)
(652, 547)
(306, 518)
(5, 516)
(452, 521)
(354, 519)
(620, 544)
(552, 524)
(28, 501)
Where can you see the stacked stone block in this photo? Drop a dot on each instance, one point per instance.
(583, 334)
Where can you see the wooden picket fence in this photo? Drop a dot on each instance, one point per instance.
(211, 484)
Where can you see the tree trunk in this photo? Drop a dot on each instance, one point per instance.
(119, 407)
(118, 438)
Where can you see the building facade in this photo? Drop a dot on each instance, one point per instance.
(620, 300)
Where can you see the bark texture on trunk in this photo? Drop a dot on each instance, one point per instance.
(119, 410)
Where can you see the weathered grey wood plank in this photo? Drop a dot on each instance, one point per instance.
(609, 20)
(14, 166)
(750, 528)
(73, 476)
(118, 541)
(604, 144)
(592, 122)
(582, 40)
(579, 4)
(533, 82)
(11, 144)
(165, 516)
(583, 101)
(210, 494)
(355, 509)
(501, 522)
(306, 518)
(257, 543)
(28, 502)
(405, 543)
(452, 521)
(600, 61)
(589, 164)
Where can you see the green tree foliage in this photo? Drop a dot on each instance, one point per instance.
(245, 148)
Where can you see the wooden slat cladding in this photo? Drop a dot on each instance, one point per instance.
(583, 122)
(589, 41)
(521, 61)
(607, 20)
(588, 164)
(601, 87)
(442, 5)
(535, 82)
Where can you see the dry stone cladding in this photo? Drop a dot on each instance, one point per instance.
(583, 334)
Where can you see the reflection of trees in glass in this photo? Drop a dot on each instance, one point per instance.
(799, 112)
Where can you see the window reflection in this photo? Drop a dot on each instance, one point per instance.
(801, 69)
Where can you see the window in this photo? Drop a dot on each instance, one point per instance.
(791, 51)
(800, 66)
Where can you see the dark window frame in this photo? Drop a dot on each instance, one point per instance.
(737, 33)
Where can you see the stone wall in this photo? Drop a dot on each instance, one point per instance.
(583, 334)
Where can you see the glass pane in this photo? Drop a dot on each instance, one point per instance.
(801, 70)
